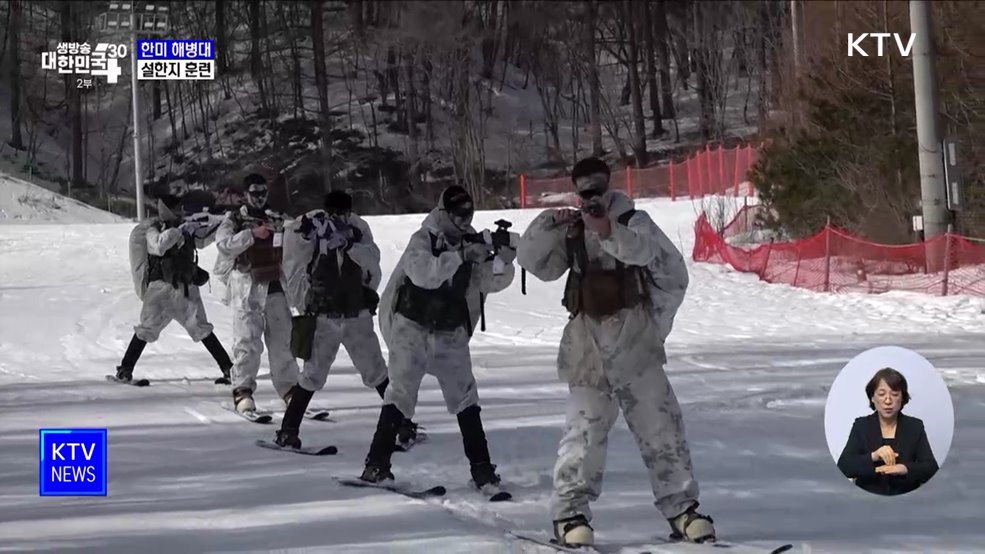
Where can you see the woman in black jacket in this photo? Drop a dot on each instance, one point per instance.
(888, 452)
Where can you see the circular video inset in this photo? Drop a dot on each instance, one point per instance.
(889, 420)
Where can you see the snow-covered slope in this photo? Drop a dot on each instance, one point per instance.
(24, 202)
(751, 364)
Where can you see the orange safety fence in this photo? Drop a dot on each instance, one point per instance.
(834, 260)
(719, 171)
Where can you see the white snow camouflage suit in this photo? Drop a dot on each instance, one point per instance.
(355, 333)
(257, 316)
(164, 303)
(617, 363)
(416, 350)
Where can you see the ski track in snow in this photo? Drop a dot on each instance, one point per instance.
(751, 364)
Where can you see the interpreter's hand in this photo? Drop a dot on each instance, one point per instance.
(564, 216)
(886, 454)
(600, 225)
(895, 469)
(261, 232)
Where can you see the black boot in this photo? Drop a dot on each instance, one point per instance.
(476, 448)
(291, 425)
(381, 449)
(124, 371)
(221, 357)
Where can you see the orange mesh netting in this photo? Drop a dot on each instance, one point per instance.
(837, 261)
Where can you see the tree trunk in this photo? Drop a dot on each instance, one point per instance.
(763, 65)
(69, 17)
(321, 83)
(703, 83)
(490, 40)
(409, 61)
(639, 124)
(663, 59)
(256, 57)
(651, 69)
(595, 89)
(429, 123)
(174, 128)
(220, 36)
(156, 99)
(16, 140)
(393, 82)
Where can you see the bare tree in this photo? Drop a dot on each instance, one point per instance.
(16, 140)
(321, 83)
(639, 125)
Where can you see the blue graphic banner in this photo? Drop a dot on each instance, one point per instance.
(175, 49)
(73, 462)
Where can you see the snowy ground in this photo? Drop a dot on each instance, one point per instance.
(751, 364)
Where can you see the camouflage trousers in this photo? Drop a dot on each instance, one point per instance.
(654, 417)
(163, 303)
(358, 337)
(253, 325)
(416, 351)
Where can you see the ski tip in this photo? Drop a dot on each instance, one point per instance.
(222, 381)
(782, 549)
(501, 496)
(328, 451)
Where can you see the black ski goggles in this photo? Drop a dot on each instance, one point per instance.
(257, 191)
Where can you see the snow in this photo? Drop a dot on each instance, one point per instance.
(24, 202)
(751, 364)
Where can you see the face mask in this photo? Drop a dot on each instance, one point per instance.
(256, 196)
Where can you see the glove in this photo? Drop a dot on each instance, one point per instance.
(306, 227)
(356, 234)
(507, 254)
(476, 252)
(188, 227)
(564, 216)
(172, 237)
(336, 240)
(261, 231)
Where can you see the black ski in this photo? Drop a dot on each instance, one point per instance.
(255, 417)
(604, 548)
(393, 487)
(330, 450)
(137, 383)
(494, 493)
(316, 414)
(223, 381)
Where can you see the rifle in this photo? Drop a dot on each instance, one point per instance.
(273, 220)
(500, 238)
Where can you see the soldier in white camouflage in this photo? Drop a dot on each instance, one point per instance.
(428, 313)
(250, 248)
(625, 283)
(332, 270)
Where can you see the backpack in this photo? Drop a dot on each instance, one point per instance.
(139, 257)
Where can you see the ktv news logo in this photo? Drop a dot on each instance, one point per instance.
(73, 462)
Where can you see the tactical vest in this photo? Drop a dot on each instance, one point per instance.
(598, 292)
(443, 309)
(337, 288)
(178, 266)
(262, 260)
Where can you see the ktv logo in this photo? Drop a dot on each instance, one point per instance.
(73, 462)
(855, 43)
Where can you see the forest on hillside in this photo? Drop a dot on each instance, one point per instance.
(394, 99)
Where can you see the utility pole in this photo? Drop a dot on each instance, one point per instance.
(932, 192)
(138, 176)
(153, 21)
